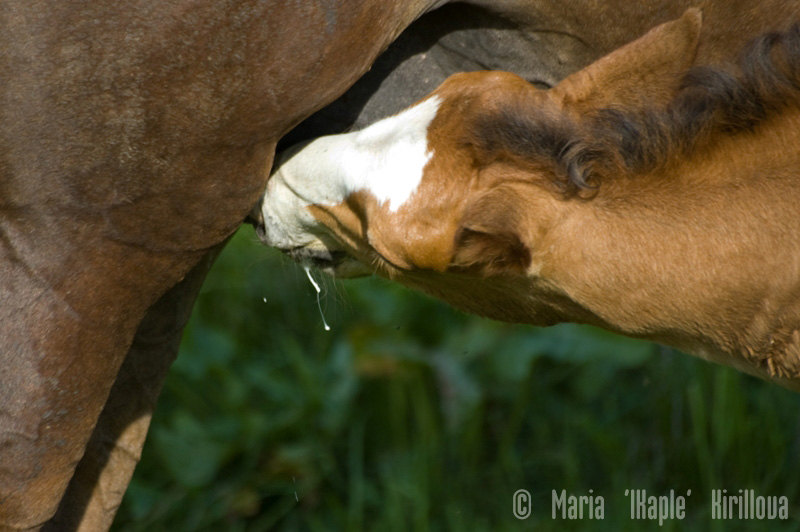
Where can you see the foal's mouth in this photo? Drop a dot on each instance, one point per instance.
(321, 258)
(336, 263)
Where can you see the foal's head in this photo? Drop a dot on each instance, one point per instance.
(468, 179)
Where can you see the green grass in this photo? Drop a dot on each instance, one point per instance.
(411, 416)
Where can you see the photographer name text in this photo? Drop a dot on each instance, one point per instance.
(743, 504)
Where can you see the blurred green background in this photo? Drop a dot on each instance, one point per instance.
(408, 415)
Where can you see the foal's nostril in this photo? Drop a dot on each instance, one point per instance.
(261, 230)
(256, 218)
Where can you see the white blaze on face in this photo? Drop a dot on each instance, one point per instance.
(386, 159)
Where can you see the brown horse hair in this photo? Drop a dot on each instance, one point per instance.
(708, 101)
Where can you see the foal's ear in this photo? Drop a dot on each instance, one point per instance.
(646, 70)
(488, 239)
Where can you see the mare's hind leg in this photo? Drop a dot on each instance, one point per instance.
(102, 476)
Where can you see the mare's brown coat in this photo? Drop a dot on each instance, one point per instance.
(134, 139)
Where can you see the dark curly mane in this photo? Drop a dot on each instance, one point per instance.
(709, 101)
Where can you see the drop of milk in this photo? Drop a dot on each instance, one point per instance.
(316, 287)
